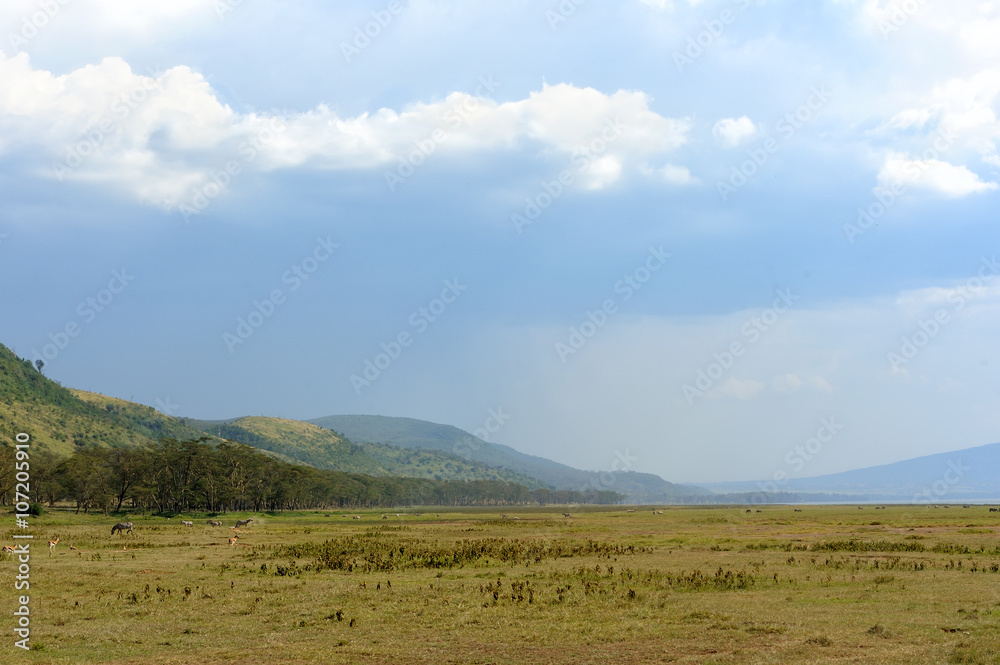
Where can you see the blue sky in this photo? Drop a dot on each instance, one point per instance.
(679, 233)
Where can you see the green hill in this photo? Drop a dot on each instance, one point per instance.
(418, 434)
(305, 443)
(60, 420)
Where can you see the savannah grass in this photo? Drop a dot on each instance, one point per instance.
(692, 585)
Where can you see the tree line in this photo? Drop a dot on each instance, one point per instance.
(196, 475)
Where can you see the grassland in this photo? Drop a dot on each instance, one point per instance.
(688, 585)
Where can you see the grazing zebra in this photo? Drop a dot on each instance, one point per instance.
(245, 522)
(121, 527)
(186, 523)
(213, 523)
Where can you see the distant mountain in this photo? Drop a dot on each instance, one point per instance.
(962, 475)
(419, 434)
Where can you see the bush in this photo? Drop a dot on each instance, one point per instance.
(36, 510)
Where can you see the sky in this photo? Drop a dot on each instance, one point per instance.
(685, 237)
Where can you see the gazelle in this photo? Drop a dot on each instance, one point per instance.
(232, 541)
(8, 550)
(52, 544)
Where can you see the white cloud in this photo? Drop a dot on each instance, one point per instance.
(178, 132)
(730, 132)
(932, 174)
(679, 176)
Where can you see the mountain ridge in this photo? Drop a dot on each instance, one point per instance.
(414, 433)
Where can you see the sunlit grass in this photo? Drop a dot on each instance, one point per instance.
(706, 585)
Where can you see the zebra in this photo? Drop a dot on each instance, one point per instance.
(213, 523)
(186, 523)
(121, 527)
(245, 522)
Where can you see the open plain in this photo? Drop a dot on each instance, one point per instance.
(817, 584)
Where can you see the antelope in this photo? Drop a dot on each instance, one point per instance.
(8, 550)
(232, 541)
(121, 527)
(186, 523)
(52, 544)
(357, 517)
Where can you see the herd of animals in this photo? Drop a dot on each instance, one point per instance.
(123, 528)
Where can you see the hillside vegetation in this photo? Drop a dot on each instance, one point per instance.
(411, 433)
(60, 420)
(305, 443)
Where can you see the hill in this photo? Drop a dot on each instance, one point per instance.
(306, 443)
(419, 434)
(963, 475)
(60, 420)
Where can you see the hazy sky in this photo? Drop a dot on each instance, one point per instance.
(679, 234)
